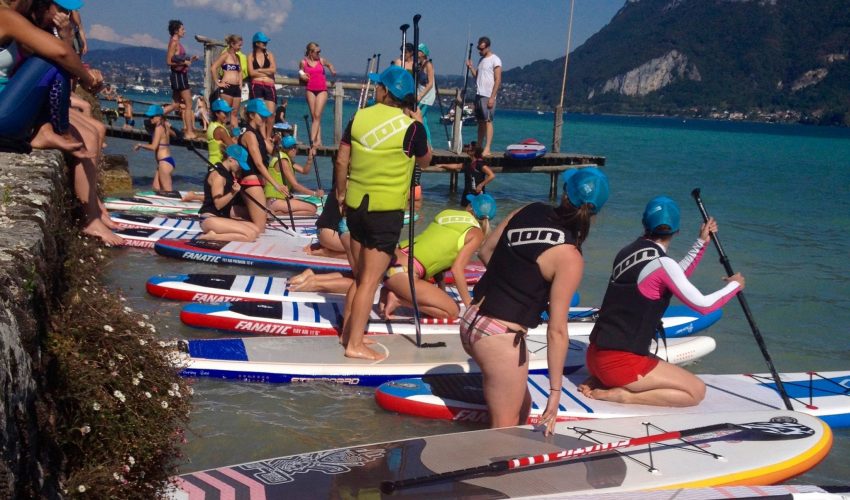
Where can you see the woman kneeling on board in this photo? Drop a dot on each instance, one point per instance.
(282, 169)
(221, 189)
(642, 283)
(533, 260)
(449, 242)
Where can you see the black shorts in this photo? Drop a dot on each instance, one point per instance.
(234, 91)
(330, 217)
(378, 230)
(262, 90)
(179, 81)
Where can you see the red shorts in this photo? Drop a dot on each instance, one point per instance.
(618, 368)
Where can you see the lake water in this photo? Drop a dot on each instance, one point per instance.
(781, 194)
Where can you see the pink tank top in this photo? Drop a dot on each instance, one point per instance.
(317, 82)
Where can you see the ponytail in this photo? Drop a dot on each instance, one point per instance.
(576, 220)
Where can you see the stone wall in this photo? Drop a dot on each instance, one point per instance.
(33, 220)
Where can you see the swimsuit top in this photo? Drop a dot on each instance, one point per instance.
(317, 82)
(261, 144)
(180, 55)
(266, 64)
(9, 58)
(208, 206)
(230, 67)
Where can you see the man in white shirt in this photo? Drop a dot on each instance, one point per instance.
(488, 79)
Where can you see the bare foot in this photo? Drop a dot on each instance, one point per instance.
(363, 352)
(98, 229)
(486, 152)
(614, 394)
(391, 305)
(193, 196)
(300, 278)
(108, 222)
(589, 384)
(305, 285)
(46, 138)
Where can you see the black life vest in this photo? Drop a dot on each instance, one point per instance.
(208, 206)
(513, 289)
(628, 321)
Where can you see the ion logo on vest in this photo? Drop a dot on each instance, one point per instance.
(642, 255)
(532, 235)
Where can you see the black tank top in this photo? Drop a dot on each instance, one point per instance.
(261, 143)
(513, 289)
(628, 321)
(208, 207)
(266, 64)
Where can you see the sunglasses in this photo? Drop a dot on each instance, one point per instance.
(483, 48)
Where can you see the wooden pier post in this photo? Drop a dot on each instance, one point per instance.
(339, 99)
(457, 146)
(210, 47)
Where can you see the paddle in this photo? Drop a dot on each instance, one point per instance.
(442, 111)
(459, 139)
(315, 164)
(410, 229)
(364, 86)
(761, 431)
(743, 301)
(285, 228)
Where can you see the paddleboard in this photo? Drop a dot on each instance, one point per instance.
(280, 253)
(460, 397)
(146, 237)
(293, 318)
(602, 456)
(193, 223)
(215, 288)
(306, 359)
(156, 205)
(526, 150)
(182, 195)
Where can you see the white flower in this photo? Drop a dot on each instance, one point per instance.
(85, 430)
(127, 309)
(164, 403)
(141, 323)
(123, 299)
(146, 316)
(153, 328)
(131, 460)
(81, 488)
(117, 476)
(175, 387)
(143, 342)
(120, 357)
(96, 406)
(177, 394)
(120, 396)
(140, 375)
(111, 364)
(108, 328)
(163, 343)
(171, 393)
(135, 381)
(148, 395)
(191, 391)
(82, 261)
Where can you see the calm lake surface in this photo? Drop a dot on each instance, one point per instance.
(780, 193)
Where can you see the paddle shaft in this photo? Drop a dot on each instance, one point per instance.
(440, 103)
(389, 487)
(364, 86)
(410, 232)
(191, 148)
(315, 164)
(743, 301)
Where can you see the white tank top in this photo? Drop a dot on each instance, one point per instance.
(9, 56)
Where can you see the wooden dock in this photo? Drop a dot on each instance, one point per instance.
(551, 163)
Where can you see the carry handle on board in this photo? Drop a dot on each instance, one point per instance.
(781, 428)
(285, 228)
(743, 301)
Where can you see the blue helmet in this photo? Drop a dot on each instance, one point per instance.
(260, 37)
(586, 185)
(483, 205)
(661, 211)
(397, 81)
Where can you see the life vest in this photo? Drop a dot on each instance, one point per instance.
(628, 321)
(276, 173)
(513, 288)
(379, 165)
(208, 206)
(214, 145)
(437, 247)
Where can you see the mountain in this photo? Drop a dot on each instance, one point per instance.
(95, 44)
(753, 58)
(135, 56)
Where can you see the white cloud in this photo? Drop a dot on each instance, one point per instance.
(107, 34)
(269, 14)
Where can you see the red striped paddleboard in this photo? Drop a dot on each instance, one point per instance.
(460, 397)
(598, 456)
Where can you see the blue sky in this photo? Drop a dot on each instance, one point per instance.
(349, 31)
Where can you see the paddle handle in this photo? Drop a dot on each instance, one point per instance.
(724, 260)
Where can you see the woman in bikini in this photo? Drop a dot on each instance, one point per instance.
(221, 193)
(312, 72)
(533, 262)
(282, 168)
(262, 69)
(229, 83)
(160, 145)
(178, 64)
(258, 147)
